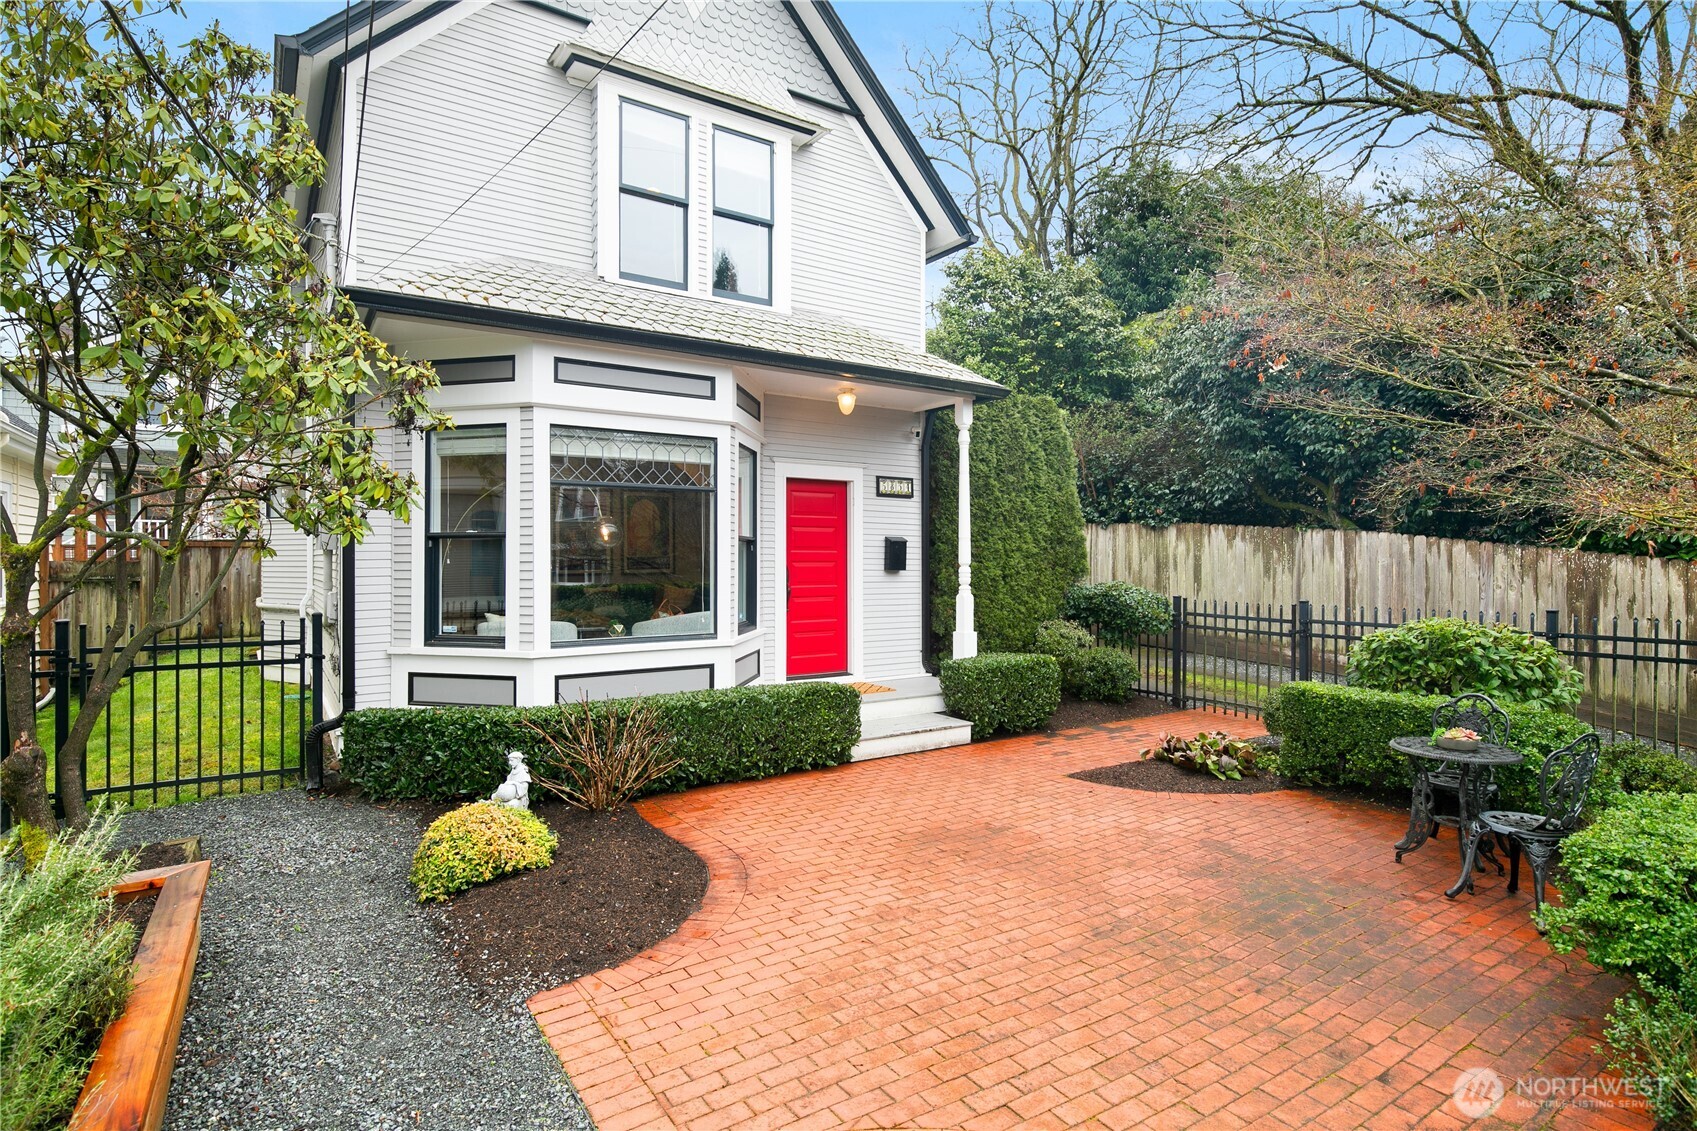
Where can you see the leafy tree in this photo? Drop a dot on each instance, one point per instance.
(166, 336)
(1533, 275)
(1151, 229)
(1027, 530)
(1037, 329)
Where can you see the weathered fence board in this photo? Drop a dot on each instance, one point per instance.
(234, 605)
(1355, 569)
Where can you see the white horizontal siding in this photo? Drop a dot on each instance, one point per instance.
(858, 252)
(443, 116)
(880, 441)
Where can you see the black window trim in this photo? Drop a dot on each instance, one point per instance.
(753, 542)
(744, 398)
(743, 217)
(712, 382)
(659, 197)
(412, 682)
(712, 676)
(507, 357)
(715, 572)
(434, 637)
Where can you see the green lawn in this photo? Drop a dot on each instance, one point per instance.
(168, 725)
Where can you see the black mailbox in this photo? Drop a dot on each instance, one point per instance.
(895, 554)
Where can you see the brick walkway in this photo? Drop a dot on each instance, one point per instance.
(969, 938)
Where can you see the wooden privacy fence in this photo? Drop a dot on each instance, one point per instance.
(234, 608)
(1261, 605)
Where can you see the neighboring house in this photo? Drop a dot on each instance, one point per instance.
(672, 278)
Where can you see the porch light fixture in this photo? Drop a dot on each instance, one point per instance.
(845, 400)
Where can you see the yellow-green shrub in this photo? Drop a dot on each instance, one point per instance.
(477, 843)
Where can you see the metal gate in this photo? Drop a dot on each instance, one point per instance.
(201, 713)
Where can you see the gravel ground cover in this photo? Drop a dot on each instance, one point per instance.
(323, 998)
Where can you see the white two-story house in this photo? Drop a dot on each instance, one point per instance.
(668, 259)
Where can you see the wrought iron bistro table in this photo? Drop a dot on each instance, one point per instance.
(1476, 768)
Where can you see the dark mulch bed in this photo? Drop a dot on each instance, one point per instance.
(136, 912)
(1075, 713)
(166, 854)
(1164, 777)
(617, 886)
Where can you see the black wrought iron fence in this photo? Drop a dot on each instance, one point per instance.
(200, 712)
(1640, 676)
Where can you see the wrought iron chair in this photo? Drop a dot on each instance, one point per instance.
(1562, 784)
(1479, 713)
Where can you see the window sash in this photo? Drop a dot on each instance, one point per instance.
(748, 527)
(472, 440)
(656, 195)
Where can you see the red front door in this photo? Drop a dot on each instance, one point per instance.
(816, 564)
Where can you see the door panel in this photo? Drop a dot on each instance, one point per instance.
(816, 570)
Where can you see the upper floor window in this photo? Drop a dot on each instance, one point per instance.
(743, 216)
(653, 195)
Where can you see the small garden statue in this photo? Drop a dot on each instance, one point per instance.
(514, 793)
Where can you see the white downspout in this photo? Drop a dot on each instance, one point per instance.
(966, 625)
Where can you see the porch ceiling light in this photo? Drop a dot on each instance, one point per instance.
(845, 400)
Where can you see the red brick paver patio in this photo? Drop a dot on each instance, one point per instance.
(971, 939)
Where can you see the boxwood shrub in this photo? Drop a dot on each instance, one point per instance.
(1628, 896)
(1100, 675)
(1447, 656)
(477, 843)
(1118, 609)
(1002, 691)
(725, 735)
(1340, 736)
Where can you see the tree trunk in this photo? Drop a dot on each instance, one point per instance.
(23, 771)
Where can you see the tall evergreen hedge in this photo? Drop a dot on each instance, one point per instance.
(1027, 528)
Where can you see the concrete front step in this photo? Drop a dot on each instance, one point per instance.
(909, 734)
(912, 695)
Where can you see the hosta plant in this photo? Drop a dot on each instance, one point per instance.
(1215, 752)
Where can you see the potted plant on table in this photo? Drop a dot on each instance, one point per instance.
(1459, 739)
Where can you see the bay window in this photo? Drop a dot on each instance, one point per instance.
(632, 552)
(653, 195)
(748, 519)
(743, 213)
(466, 535)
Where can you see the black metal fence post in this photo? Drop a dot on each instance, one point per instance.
(1552, 627)
(1302, 642)
(313, 755)
(61, 676)
(1176, 660)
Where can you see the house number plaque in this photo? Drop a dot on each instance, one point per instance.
(889, 487)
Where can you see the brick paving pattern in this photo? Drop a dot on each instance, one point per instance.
(969, 938)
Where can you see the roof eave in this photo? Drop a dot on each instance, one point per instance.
(477, 314)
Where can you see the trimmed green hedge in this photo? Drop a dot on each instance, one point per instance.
(730, 734)
(1340, 736)
(1009, 691)
(1100, 675)
(1027, 528)
(1629, 896)
(1119, 609)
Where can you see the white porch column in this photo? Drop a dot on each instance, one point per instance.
(966, 625)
